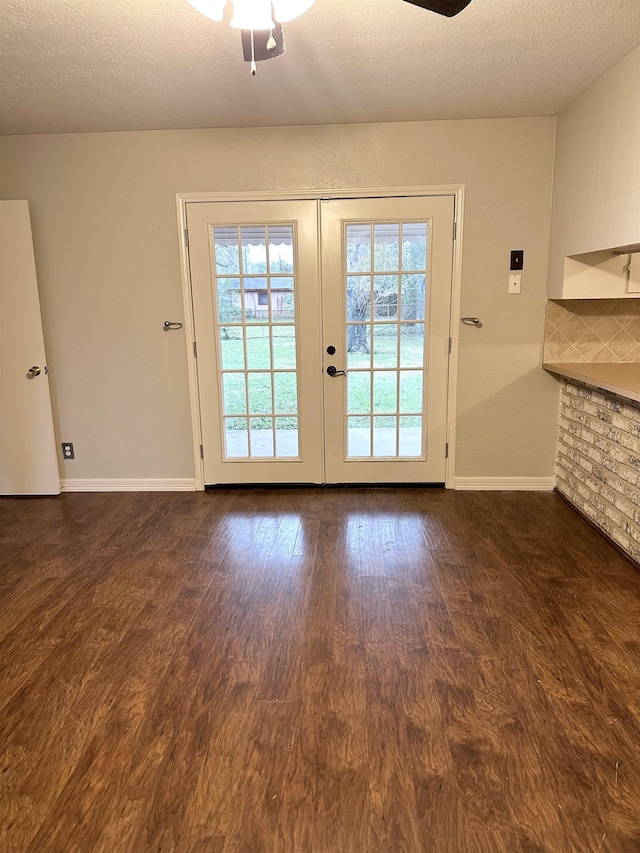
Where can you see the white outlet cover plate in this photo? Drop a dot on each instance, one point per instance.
(515, 283)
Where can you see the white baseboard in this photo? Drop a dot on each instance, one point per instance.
(493, 484)
(505, 484)
(129, 485)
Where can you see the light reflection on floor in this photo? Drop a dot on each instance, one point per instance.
(365, 541)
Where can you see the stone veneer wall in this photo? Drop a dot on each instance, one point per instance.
(598, 462)
(592, 330)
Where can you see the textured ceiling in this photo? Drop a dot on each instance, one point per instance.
(90, 65)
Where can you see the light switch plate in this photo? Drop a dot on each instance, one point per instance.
(515, 283)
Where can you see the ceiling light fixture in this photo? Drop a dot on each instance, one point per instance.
(260, 21)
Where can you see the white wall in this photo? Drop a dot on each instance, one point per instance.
(596, 189)
(104, 221)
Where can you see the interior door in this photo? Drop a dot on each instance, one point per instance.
(256, 298)
(28, 462)
(386, 278)
(355, 392)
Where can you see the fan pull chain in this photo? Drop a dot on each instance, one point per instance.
(254, 70)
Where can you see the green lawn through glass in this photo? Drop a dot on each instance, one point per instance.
(384, 353)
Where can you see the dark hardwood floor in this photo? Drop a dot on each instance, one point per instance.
(318, 671)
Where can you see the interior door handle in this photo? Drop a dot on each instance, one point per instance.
(471, 321)
(33, 372)
(333, 371)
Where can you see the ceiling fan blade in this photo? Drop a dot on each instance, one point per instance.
(442, 7)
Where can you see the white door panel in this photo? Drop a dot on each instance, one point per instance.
(386, 278)
(255, 286)
(28, 462)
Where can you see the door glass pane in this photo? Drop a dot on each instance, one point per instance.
(385, 403)
(261, 436)
(255, 295)
(411, 392)
(282, 305)
(359, 392)
(259, 347)
(411, 344)
(358, 345)
(386, 239)
(236, 438)
(229, 300)
(411, 436)
(384, 391)
(358, 437)
(234, 393)
(385, 345)
(256, 299)
(414, 246)
(384, 436)
(286, 437)
(254, 249)
(280, 249)
(286, 393)
(260, 399)
(359, 247)
(385, 297)
(232, 347)
(284, 347)
(358, 297)
(227, 255)
(413, 297)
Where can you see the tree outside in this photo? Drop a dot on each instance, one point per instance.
(365, 303)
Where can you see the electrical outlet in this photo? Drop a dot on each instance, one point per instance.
(67, 450)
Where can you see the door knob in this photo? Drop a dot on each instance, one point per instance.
(33, 372)
(333, 371)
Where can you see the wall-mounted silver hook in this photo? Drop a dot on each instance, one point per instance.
(169, 326)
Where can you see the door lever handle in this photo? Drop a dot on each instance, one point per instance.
(471, 321)
(333, 371)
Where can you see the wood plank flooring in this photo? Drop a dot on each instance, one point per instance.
(316, 671)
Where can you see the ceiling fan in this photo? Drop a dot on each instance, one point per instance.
(442, 7)
(260, 21)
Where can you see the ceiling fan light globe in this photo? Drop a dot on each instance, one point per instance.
(213, 9)
(252, 15)
(287, 10)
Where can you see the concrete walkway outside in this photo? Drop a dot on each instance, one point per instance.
(359, 443)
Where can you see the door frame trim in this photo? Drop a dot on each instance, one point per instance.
(455, 190)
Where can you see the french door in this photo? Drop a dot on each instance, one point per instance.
(322, 331)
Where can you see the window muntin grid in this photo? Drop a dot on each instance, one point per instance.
(255, 315)
(386, 268)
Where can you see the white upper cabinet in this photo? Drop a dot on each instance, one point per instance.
(600, 275)
(633, 274)
(596, 191)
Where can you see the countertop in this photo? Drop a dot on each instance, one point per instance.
(622, 378)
